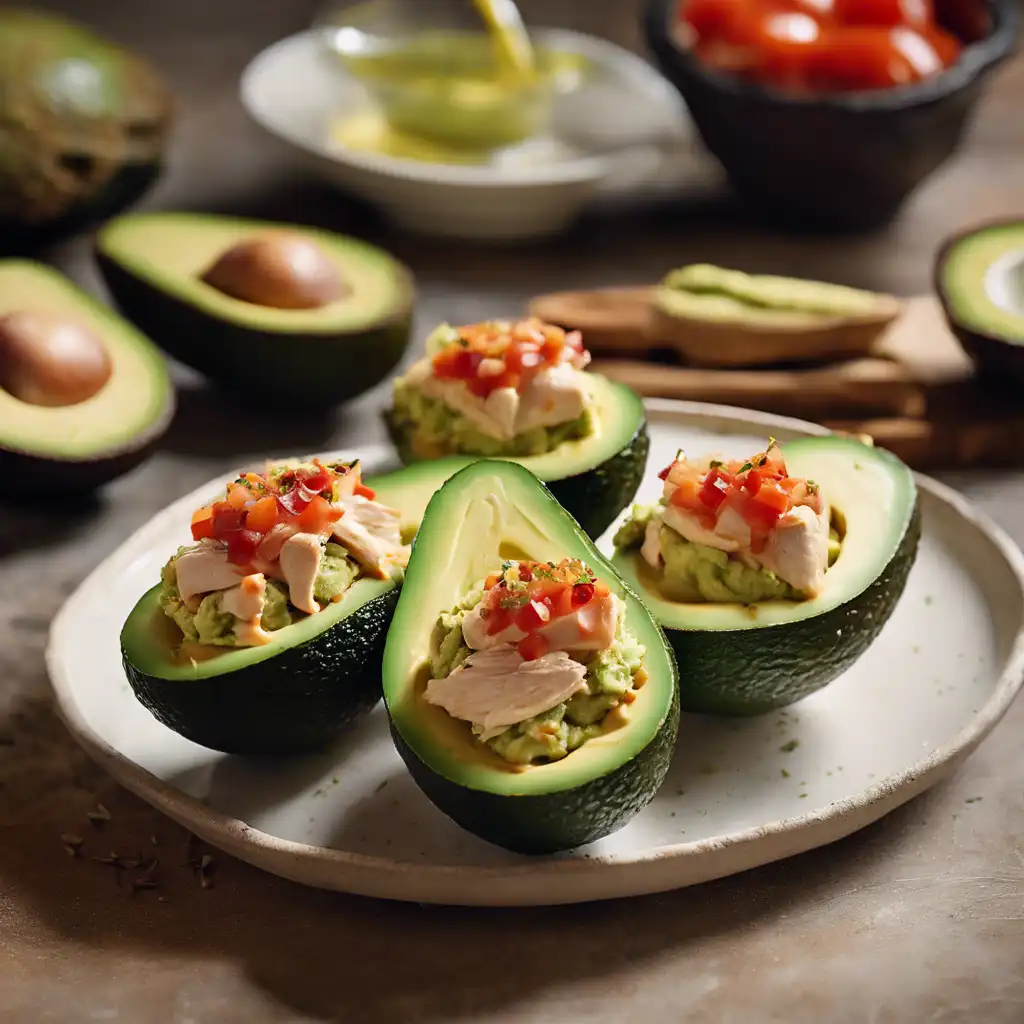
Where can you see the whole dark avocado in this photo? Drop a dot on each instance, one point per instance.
(837, 161)
(296, 314)
(84, 397)
(83, 127)
(979, 277)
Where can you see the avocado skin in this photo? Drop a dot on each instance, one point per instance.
(314, 370)
(74, 157)
(593, 498)
(553, 822)
(750, 672)
(870, 151)
(298, 701)
(27, 476)
(596, 497)
(122, 191)
(999, 360)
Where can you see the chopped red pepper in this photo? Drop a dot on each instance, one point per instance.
(533, 647)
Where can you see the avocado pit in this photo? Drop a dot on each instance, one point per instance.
(282, 270)
(1004, 283)
(50, 361)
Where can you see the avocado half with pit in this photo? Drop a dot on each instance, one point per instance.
(979, 276)
(287, 312)
(485, 513)
(295, 694)
(593, 477)
(84, 124)
(748, 659)
(84, 397)
(721, 318)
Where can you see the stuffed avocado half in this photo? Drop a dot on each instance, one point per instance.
(265, 635)
(518, 390)
(531, 694)
(772, 576)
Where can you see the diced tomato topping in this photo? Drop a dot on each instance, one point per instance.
(262, 517)
(295, 501)
(561, 603)
(514, 354)
(239, 495)
(714, 490)
(318, 515)
(772, 496)
(533, 647)
(365, 492)
(529, 619)
(242, 545)
(226, 519)
(761, 490)
(687, 494)
(582, 593)
(202, 524)
(664, 473)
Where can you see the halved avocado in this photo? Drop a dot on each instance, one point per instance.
(979, 276)
(296, 694)
(156, 266)
(594, 477)
(489, 511)
(83, 128)
(748, 659)
(719, 317)
(55, 436)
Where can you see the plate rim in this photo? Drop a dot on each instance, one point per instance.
(556, 881)
(582, 170)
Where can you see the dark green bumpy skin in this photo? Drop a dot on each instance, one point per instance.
(596, 497)
(593, 498)
(752, 671)
(294, 702)
(538, 825)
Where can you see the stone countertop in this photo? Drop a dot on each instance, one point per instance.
(917, 918)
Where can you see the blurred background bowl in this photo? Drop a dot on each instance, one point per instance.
(297, 89)
(840, 161)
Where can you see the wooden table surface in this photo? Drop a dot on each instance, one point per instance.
(918, 918)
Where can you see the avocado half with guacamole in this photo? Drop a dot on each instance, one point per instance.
(518, 390)
(265, 634)
(771, 576)
(281, 311)
(83, 128)
(83, 396)
(531, 694)
(719, 317)
(979, 277)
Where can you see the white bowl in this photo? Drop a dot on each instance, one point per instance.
(295, 88)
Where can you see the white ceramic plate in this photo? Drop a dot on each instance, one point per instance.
(941, 674)
(295, 89)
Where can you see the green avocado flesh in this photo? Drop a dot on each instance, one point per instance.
(294, 694)
(745, 659)
(152, 264)
(92, 441)
(593, 477)
(489, 511)
(706, 292)
(83, 126)
(980, 280)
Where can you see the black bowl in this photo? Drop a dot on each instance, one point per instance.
(846, 160)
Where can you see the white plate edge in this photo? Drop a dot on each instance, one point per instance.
(541, 882)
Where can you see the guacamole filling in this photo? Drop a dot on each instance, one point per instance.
(536, 659)
(276, 547)
(739, 532)
(496, 388)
